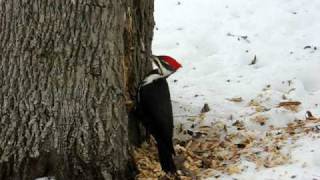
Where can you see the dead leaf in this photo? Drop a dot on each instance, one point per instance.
(260, 120)
(234, 169)
(290, 105)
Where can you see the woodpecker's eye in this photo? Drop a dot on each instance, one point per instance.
(165, 62)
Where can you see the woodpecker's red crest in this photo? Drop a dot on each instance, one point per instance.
(172, 62)
(166, 65)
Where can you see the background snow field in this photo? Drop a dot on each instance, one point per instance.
(243, 58)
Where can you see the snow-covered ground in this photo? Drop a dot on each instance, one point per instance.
(238, 55)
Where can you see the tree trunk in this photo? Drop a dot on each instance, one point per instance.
(67, 70)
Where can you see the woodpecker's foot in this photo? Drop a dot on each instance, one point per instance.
(129, 105)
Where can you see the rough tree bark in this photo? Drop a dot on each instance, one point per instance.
(67, 69)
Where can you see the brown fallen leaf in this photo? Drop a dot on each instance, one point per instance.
(260, 120)
(205, 108)
(234, 169)
(290, 105)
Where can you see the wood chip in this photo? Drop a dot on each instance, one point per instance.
(290, 105)
(236, 99)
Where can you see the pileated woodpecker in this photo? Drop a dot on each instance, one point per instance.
(153, 107)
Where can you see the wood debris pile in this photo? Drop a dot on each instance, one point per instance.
(147, 161)
(219, 150)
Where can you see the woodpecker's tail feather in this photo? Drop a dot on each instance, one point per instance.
(166, 152)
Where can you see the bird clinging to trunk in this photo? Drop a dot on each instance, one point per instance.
(153, 107)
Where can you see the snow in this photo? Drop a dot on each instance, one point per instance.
(216, 41)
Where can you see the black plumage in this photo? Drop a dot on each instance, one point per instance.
(155, 111)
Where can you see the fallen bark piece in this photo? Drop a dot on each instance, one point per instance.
(290, 105)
